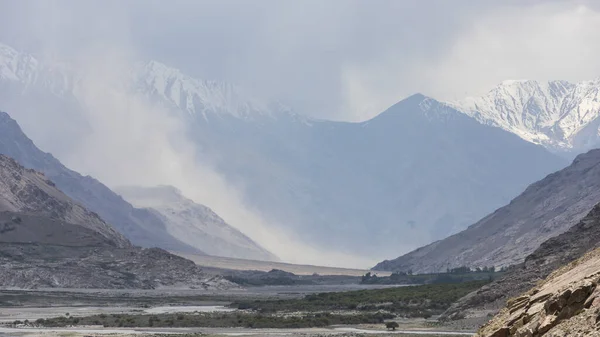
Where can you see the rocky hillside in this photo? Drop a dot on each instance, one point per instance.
(47, 240)
(545, 209)
(566, 303)
(27, 191)
(40, 265)
(140, 226)
(26, 228)
(194, 224)
(552, 254)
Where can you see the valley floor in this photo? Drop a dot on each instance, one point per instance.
(208, 261)
(204, 332)
(22, 305)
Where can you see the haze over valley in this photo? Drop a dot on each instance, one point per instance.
(304, 168)
(283, 172)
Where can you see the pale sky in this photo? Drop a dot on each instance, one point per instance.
(340, 59)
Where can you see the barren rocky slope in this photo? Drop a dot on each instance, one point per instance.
(27, 191)
(47, 240)
(559, 115)
(551, 255)
(545, 209)
(567, 303)
(194, 224)
(140, 226)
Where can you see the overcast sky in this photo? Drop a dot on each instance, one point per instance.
(337, 59)
(340, 59)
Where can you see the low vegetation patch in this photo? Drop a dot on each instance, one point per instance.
(217, 320)
(456, 275)
(408, 301)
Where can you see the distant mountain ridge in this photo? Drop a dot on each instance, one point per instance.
(48, 240)
(564, 295)
(505, 237)
(419, 171)
(28, 191)
(409, 175)
(140, 226)
(559, 115)
(549, 256)
(194, 224)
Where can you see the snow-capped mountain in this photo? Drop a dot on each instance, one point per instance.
(27, 191)
(158, 81)
(28, 71)
(194, 224)
(194, 96)
(411, 175)
(559, 115)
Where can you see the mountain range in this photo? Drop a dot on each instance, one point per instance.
(559, 115)
(418, 172)
(48, 240)
(563, 303)
(508, 235)
(144, 227)
(194, 224)
(28, 191)
(552, 254)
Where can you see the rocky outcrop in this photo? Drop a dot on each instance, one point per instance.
(567, 303)
(28, 191)
(41, 252)
(506, 237)
(409, 176)
(559, 115)
(48, 240)
(35, 265)
(551, 255)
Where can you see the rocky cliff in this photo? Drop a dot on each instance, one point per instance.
(27, 191)
(566, 303)
(551, 255)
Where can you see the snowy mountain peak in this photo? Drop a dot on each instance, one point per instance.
(195, 96)
(16, 66)
(555, 114)
(155, 80)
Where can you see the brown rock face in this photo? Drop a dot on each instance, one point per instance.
(561, 306)
(552, 254)
(501, 332)
(27, 191)
(48, 240)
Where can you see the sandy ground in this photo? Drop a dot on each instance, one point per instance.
(336, 331)
(45, 304)
(409, 327)
(298, 269)
(31, 314)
